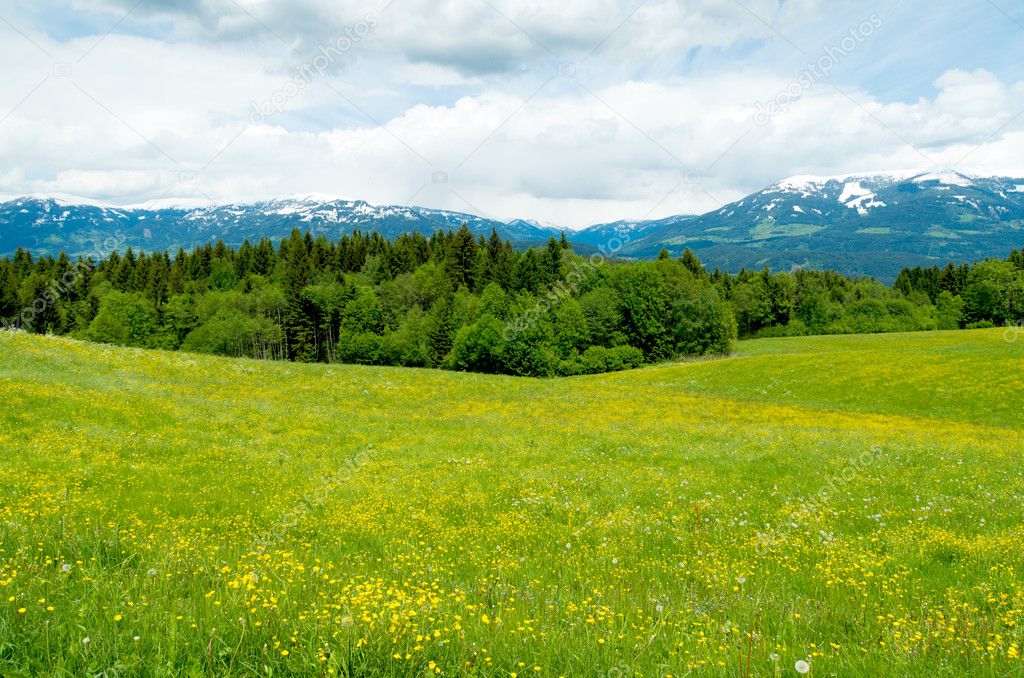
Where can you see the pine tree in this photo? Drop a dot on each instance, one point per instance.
(553, 261)
(441, 332)
(299, 328)
(495, 261)
(693, 264)
(462, 258)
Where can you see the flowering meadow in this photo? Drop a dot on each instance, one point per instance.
(833, 506)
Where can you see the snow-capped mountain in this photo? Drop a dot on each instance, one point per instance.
(870, 224)
(49, 224)
(616, 236)
(859, 224)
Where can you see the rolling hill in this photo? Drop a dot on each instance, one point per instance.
(853, 502)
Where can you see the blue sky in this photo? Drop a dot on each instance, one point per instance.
(573, 113)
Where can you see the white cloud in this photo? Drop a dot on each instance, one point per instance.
(476, 37)
(144, 117)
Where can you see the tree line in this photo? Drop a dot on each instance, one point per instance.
(457, 301)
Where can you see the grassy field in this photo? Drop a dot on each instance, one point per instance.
(853, 502)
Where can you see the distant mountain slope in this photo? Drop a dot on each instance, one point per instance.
(47, 225)
(617, 235)
(862, 224)
(859, 224)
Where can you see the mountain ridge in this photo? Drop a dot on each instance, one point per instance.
(859, 223)
(862, 223)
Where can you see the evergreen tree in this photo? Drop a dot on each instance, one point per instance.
(693, 264)
(441, 329)
(462, 258)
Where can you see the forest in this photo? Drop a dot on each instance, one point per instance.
(459, 302)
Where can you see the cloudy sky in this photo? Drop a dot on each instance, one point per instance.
(572, 112)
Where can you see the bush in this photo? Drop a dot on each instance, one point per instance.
(361, 348)
(597, 359)
(478, 347)
(125, 319)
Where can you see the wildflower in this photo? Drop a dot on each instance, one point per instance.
(802, 667)
(65, 568)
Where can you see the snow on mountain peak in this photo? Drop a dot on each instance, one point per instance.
(808, 181)
(171, 204)
(948, 177)
(945, 177)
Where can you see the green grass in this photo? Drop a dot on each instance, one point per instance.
(385, 521)
(772, 229)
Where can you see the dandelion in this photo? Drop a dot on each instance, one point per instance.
(151, 572)
(741, 580)
(802, 667)
(65, 568)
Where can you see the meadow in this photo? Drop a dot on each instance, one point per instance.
(852, 505)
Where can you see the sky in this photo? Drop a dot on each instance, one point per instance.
(571, 113)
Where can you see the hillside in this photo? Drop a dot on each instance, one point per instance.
(850, 501)
(866, 224)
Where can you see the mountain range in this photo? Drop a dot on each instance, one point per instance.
(48, 224)
(859, 224)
